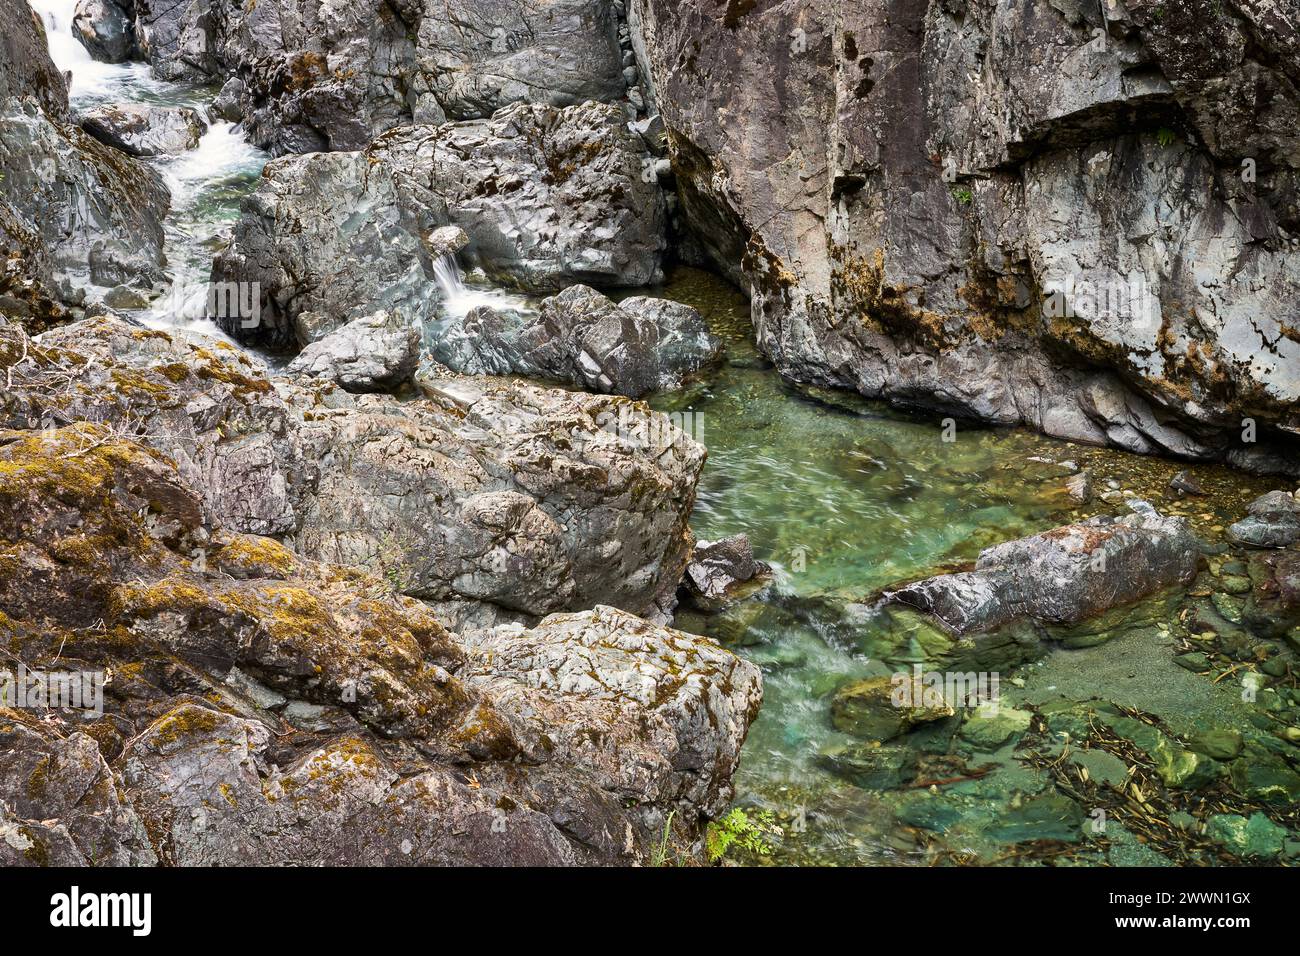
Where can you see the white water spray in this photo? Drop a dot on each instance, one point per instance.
(460, 298)
(91, 80)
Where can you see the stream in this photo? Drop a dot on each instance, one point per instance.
(844, 496)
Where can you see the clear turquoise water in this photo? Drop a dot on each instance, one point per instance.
(843, 496)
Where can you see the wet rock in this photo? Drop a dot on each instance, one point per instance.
(1262, 776)
(1223, 744)
(556, 53)
(142, 130)
(375, 353)
(1272, 521)
(1175, 765)
(226, 106)
(106, 28)
(582, 338)
(882, 708)
(871, 767)
(989, 728)
(1253, 838)
(548, 197)
(723, 571)
(322, 235)
(1062, 576)
(1050, 817)
(1079, 487)
(1186, 484)
(640, 346)
(72, 211)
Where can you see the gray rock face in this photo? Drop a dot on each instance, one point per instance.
(374, 353)
(142, 130)
(1062, 576)
(582, 338)
(723, 571)
(548, 197)
(331, 76)
(323, 235)
(1272, 521)
(808, 143)
(476, 57)
(606, 672)
(106, 28)
(265, 708)
(73, 209)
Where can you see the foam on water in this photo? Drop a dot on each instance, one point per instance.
(91, 80)
(460, 298)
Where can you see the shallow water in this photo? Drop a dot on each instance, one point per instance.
(843, 496)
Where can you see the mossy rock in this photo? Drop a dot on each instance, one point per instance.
(1256, 838)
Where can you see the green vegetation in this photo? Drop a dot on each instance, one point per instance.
(740, 829)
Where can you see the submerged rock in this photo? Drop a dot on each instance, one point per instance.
(882, 708)
(1253, 838)
(375, 353)
(1062, 576)
(143, 130)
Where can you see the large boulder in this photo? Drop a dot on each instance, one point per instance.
(1062, 576)
(374, 353)
(323, 242)
(143, 130)
(106, 28)
(582, 338)
(1272, 521)
(809, 140)
(548, 197)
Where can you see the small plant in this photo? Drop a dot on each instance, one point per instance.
(963, 196)
(1165, 136)
(659, 856)
(742, 829)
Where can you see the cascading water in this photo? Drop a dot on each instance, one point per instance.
(92, 81)
(459, 298)
(207, 183)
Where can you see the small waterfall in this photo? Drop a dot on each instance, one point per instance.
(460, 298)
(91, 80)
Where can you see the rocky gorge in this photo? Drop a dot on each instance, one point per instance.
(556, 432)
